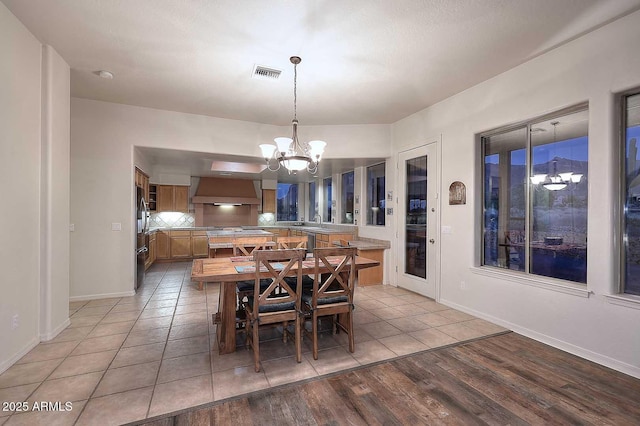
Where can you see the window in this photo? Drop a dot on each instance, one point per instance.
(287, 207)
(535, 197)
(313, 203)
(347, 197)
(631, 195)
(375, 195)
(326, 212)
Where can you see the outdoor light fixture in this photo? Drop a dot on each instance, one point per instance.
(289, 152)
(555, 181)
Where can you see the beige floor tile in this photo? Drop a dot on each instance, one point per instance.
(110, 318)
(128, 307)
(146, 337)
(81, 364)
(116, 409)
(326, 340)
(188, 346)
(362, 316)
(456, 315)
(434, 319)
(24, 374)
(99, 344)
(74, 388)
(403, 344)
(287, 370)
(49, 418)
(371, 304)
(431, 306)
(45, 352)
(412, 298)
(92, 311)
(380, 329)
(70, 334)
(164, 296)
(109, 329)
(484, 327)
(16, 394)
(433, 337)
(396, 291)
(407, 324)
(150, 323)
(388, 313)
(238, 381)
(195, 307)
(359, 336)
(77, 305)
(127, 378)
(104, 302)
(89, 320)
(372, 351)
(153, 304)
(184, 367)
(240, 358)
(332, 360)
(180, 394)
(411, 310)
(191, 300)
(191, 318)
(157, 312)
(189, 330)
(392, 301)
(138, 355)
(460, 332)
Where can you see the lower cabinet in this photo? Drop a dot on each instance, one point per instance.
(162, 245)
(199, 244)
(152, 250)
(180, 244)
(371, 276)
(326, 240)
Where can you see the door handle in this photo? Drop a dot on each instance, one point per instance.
(432, 241)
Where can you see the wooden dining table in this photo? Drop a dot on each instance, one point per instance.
(228, 271)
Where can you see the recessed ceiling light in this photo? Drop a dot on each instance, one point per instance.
(105, 74)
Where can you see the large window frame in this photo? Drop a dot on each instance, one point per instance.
(327, 199)
(313, 201)
(539, 243)
(347, 191)
(376, 187)
(287, 202)
(629, 194)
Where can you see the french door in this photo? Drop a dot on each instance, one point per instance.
(417, 220)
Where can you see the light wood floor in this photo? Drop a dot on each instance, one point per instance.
(505, 379)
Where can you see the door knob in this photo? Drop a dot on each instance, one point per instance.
(432, 241)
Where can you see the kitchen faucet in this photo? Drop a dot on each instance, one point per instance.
(317, 218)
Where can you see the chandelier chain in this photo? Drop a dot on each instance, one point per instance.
(295, 91)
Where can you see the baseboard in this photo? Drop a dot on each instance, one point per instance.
(101, 296)
(22, 352)
(598, 358)
(45, 337)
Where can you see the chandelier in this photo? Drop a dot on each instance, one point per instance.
(556, 181)
(290, 152)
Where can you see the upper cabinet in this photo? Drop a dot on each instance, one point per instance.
(171, 198)
(268, 201)
(142, 181)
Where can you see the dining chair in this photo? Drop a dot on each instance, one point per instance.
(267, 306)
(332, 292)
(292, 242)
(246, 246)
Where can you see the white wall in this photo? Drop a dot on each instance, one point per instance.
(54, 208)
(592, 68)
(34, 170)
(103, 136)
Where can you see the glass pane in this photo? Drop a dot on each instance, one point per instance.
(416, 221)
(287, 207)
(559, 155)
(375, 195)
(347, 197)
(326, 217)
(505, 176)
(632, 197)
(313, 203)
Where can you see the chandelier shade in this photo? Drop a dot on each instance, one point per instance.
(290, 153)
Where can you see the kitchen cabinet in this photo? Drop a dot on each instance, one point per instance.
(268, 201)
(162, 245)
(199, 244)
(142, 181)
(180, 244)
(371, 276)
(152, 250)
(326, 240)
(172, 198)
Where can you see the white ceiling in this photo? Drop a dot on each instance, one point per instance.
(363, 61)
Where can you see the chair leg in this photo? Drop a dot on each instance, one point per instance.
(298, 340)
(314, 334)
(284, 331)
(352, 342)
(255, 342)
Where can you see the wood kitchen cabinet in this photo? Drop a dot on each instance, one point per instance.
(172, 198)
(326, 240)
(180, 244)
(268, 201)
(162, 245)
(371, 276)
(152, 250)
(199, 244)
(142, 181)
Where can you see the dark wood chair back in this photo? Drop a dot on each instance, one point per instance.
(246, 246)
(292, 242)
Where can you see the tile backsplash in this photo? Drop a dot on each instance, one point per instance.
(172, 220)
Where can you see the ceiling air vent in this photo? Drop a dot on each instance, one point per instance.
(265, 73)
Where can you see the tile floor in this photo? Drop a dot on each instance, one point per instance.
(127, 359)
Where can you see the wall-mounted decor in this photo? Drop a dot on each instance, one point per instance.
(457, 193)
(357, 199)
(389, 195)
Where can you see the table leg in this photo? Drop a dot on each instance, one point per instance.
(226, 331)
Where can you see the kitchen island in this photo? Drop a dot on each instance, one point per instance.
(221, 241)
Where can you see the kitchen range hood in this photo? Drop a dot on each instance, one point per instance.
(214, 194)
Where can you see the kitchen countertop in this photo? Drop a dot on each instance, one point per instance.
(365, 245)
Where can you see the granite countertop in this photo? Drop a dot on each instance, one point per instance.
(366, 245)
(237, 233)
